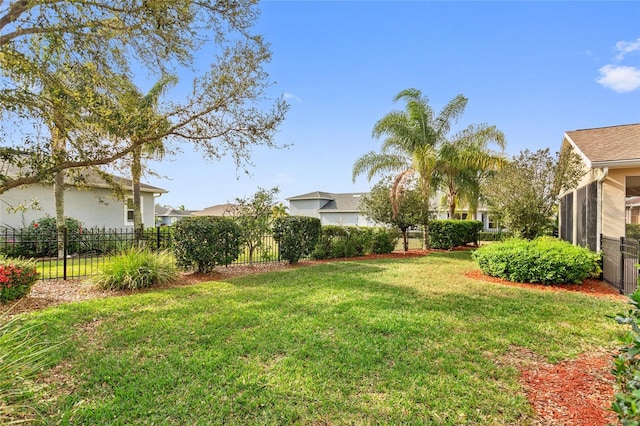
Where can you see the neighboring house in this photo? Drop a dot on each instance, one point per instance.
(331, 209)
(344, 209)
(603, 200)
(93, 203)
(218, 210)
(167, 215)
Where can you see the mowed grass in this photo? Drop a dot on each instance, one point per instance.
(409, 341)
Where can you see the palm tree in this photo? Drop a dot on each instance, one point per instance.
(410, 147)
(463, 159)
(145, 122)
(279, 211)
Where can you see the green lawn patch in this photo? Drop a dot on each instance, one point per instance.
(389, 341)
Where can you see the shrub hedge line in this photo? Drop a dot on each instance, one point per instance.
(350, 241)
(545, 260)
(446, 234)
(296, 236)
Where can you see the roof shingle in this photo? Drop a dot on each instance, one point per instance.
(608, 144)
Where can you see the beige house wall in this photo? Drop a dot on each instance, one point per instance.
(613, 201)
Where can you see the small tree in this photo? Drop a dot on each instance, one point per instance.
(205, 241)
(296, 236)
(253, 214)
(524, 192)
(404, 212)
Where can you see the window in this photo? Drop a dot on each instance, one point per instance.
(128, 209)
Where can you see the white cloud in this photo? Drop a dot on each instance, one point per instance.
(288, 96)
(625, 47)
(619, 78)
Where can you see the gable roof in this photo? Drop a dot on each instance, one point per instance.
(217, 210)
(344, 202)
(170, 211)
(89, 177)
(317, 195)
(615, 146)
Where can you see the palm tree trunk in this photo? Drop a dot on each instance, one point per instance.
(136, 172)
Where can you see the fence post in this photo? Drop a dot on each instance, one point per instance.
(64, 254)
(157, 238)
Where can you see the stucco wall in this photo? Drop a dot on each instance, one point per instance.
(93, 207)
(613, 201)
(306, 207)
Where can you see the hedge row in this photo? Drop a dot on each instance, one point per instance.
(545, 260)
(350, 241)
(445, 234)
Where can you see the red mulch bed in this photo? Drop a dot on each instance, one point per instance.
(576, 392)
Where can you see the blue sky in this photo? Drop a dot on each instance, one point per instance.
(533, 69)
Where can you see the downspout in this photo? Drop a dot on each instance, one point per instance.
(605, 173)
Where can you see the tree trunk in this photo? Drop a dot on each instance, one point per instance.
(405, 239)
(136, 172)
(425, 235)
(452, 206)
(58, 195)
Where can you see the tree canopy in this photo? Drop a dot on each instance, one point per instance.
(524, 193)
(82, 56)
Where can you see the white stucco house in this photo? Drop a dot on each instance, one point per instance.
(167, 215)
(605, 199)
(93, 203)
(332, 209)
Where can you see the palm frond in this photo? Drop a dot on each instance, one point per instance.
(374, 163)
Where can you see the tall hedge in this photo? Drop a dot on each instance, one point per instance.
(350, 241)
(296, 236)
(445, 234)
(202, 242)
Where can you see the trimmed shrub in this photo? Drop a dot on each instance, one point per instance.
(137, 268)
(446, 234)
(633, 231)
(23, 354)
(384, 240)
(351, 241)
(296, 236)
(626, 366)
(203, 242)
(545, 260)
(17, 276)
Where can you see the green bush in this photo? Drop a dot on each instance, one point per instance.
(626, 367)
(137, 268)
(17, 276)
(446, 234)
(40, 238)
(494, 236)
(350, 241)
(296, 236)
(633, 231)
(204, 242)
(23, 355)
(544, 260)
(384, 240)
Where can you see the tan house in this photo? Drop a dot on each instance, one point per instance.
(603, 201)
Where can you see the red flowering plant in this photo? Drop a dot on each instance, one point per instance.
(17, 276)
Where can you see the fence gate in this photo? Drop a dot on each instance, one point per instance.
(619, 257)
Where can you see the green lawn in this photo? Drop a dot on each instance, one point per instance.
(409, 341)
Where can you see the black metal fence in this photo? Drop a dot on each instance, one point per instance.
(83, 252)
(619, 259)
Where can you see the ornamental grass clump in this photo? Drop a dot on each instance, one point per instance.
(22, 356)
(137, 268)
(17, 276)
(544, 260)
